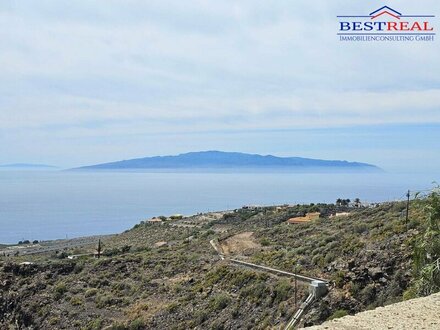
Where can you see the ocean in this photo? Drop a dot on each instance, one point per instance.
(47, 205)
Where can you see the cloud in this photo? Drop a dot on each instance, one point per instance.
(121, 68)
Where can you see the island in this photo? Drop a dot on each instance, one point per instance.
(225, 160)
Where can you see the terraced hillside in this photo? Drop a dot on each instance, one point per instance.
(165, 274)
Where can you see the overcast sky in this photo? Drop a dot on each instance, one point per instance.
(83, 82)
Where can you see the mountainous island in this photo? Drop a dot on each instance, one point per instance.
(220, 159)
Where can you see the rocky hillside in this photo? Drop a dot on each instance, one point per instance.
(165, 274)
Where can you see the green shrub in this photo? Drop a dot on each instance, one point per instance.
(255, 292)
(411, 293)
(367, 294)
(60, 290)
(76, 301)
(219, 301)
(318, 260)
(106, 300)
(117, 326)
(360, 228)
(217, 326)
(329, 257)
(172, 308)
(200, 316)
(235, 311)
(355, 289)
(337, 314)
(216, 275)
(427, 250)
(240, 279)
(265, 242)
(339, 279)
(282, 291)
(54, 320)
(94, 325)
(137, 324)
(91, 292)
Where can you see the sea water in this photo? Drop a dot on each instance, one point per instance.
(58, 204)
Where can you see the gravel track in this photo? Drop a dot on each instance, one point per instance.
(415, 314)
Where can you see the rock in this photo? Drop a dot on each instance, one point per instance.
(375, 273)
(351, 264)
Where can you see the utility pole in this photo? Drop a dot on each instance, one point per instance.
(99, 248)
(407, 206)
(296, 288)
(296, 292)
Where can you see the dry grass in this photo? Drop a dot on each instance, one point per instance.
(240, 243)
(307, 218)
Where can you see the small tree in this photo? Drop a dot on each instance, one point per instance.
(427, 250)
(99, 248)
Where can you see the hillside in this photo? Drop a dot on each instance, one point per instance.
(165, 274)
(218, 159)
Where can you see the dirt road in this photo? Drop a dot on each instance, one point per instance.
(415, 314)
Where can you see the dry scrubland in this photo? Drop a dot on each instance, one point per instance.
(139, 284)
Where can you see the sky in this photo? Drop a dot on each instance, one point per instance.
(84, 82)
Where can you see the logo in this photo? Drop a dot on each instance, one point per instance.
(386, 24)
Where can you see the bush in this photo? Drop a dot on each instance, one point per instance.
(137, 324)
(411, 293)
(329, 257)
(265, 242)
(117, 326)
(360, 228)
(337, 314)
(125, 248)
(91, 292)
(200, 316)
(94, 325)
(217, 326)
(106, 300)
(60, 290)
(76, 301)
(172, 308)
(255, 292)
(282, 291)
(355, 289)
(427, 250)
(339, 279)
(368, 294)
(62, 255)
(116, 251)
(219, 301)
